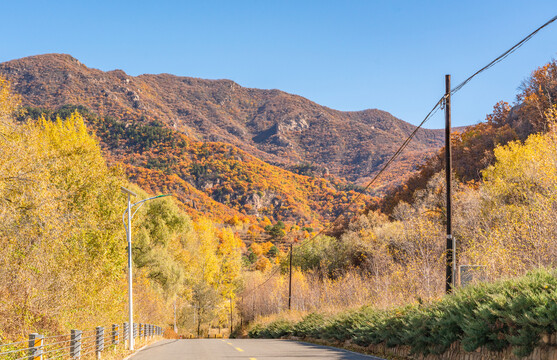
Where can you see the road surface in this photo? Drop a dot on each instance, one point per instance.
(243, 349)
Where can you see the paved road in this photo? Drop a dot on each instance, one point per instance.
(243, 349)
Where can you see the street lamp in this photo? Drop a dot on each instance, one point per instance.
(128, 228)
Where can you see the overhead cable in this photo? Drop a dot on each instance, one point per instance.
(409, 138)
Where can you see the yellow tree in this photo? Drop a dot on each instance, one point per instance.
(61, 211)
(230, 258)
(519, 200)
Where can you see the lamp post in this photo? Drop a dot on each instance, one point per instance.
(128, 228)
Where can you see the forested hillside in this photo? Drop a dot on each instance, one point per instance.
(503, 219)
(276, 127)
(62, 244)
(61, 205)
(213, 179)
(473, 148)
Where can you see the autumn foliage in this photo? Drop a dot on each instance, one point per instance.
(503, 220)
(473, 148)
(63, 250)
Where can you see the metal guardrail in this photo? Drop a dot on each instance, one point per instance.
(76, 345)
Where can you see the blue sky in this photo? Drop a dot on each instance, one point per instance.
(347, 55)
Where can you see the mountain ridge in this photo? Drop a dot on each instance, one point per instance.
(280, 128)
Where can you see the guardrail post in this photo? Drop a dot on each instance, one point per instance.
(150, 331)
(75, 344)
(99, 341)
(134, 330)
(36, 346)
(115, 334)
(126, 334)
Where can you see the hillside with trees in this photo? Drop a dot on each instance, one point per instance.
(473, 148)
(223, 242)
(213, 179)
(503, 222)
(279, 128)
(63, 257)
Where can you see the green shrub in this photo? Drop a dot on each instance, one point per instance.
(506, 313)
(273, 330)
(342, 327)
(255, 332)
(311, 325)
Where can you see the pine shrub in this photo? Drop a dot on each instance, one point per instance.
(515, 312)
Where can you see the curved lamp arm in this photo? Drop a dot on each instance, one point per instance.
(140, 203)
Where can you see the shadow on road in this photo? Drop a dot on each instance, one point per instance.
(339, 354)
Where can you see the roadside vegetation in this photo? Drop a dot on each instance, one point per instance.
(63, 261)
(514, 312)
(63, 248)
(391, 258)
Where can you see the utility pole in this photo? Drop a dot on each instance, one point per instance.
(451, 263)
(241, 313)
(290, 281)
(175, 327)
(231, 318)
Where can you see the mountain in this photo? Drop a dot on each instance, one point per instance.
(279, 128)
(213, 179)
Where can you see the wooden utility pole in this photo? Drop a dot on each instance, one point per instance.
(290, 281)
(175, 327)
(448, 172)
(231, 319)
(241, 312)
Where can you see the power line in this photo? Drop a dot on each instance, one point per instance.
(393, 157)
(435, 108)
(503, 55)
